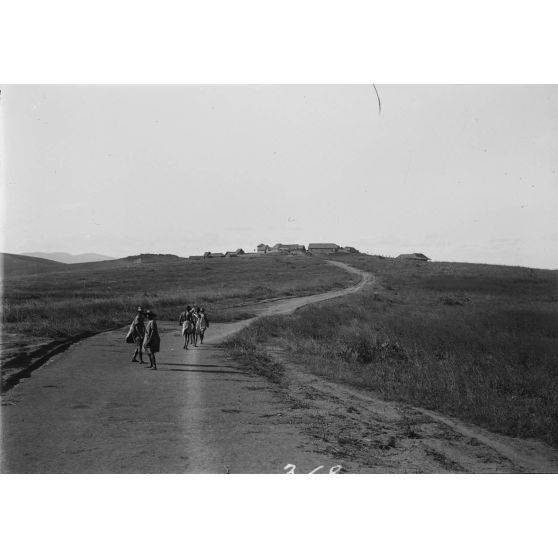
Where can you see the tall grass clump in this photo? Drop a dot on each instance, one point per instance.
(489, 357)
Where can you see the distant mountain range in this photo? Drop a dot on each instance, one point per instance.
(64, 257)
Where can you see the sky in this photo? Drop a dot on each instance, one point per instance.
(460, 173)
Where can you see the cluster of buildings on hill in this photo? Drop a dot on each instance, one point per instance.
(290, 249)
(313, 248)
(230, 254)
(299, 249)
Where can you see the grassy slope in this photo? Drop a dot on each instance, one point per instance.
(12, 264)
(89, 297)
(475, 341)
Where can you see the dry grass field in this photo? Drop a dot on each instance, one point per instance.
(478, 342)
(80, 298)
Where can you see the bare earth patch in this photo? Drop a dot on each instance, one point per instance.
(388, 437)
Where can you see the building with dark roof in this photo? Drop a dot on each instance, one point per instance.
(414, 256)
(323, 248)
(281, 248)
(288, 248)
(233, 254)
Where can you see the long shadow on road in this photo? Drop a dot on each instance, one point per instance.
(196, 365)
(201, 371)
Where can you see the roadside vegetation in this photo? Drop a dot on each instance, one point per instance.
(98, 296)
(477, 342)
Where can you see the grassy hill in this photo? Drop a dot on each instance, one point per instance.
(129, 261)
(479, 342)
(15, 264)
(65, 257)
(18, 264)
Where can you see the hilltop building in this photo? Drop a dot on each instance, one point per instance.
(237, 252)
(280, 248)
(323, 248)
(413, 256)
(288, 248)
(229, 254)
(297, 249)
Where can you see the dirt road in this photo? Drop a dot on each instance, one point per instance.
(89, 410)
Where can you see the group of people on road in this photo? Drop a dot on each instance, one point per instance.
(145, 336)
(194, 322)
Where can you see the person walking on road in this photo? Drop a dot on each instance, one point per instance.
(152, 342)
(137, 332)
(185, 320)
(184, 315)
(203, 323)
(194, 318)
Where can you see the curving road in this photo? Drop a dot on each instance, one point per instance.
(89, 410)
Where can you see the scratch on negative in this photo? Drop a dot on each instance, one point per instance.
(379, 101)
